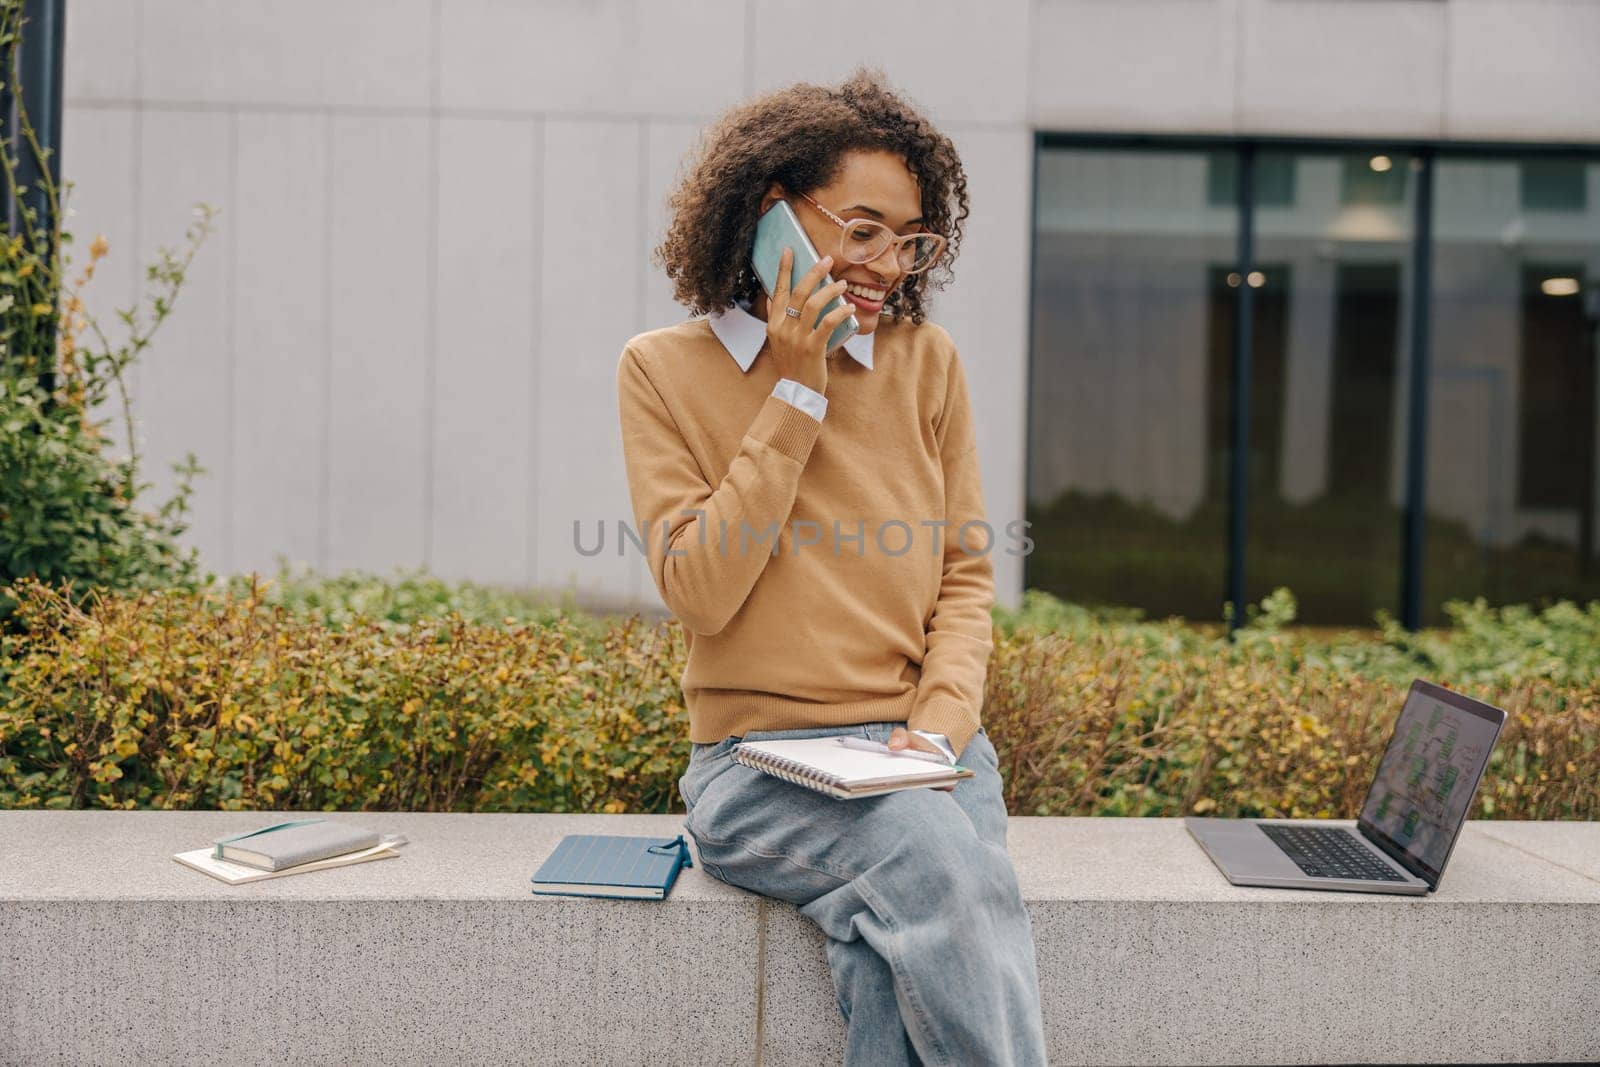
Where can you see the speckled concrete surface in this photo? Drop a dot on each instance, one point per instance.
(803, 1026)
(1573, 846)
(1147, 954)
(1157, 859)
(449, 857)
(442, 955)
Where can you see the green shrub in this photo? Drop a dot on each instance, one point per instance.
(178, 699)
(70, 509)
(1485, 646)
(225, 699)
(67, 512)
(406, 597)
(1093, 723)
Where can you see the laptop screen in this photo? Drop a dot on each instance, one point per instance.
(1429, 773)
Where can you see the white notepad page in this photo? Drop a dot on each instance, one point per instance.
(852, 766)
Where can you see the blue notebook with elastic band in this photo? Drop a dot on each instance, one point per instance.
(605, 865)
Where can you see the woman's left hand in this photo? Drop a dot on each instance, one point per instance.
(900, 737)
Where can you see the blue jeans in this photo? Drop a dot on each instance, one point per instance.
(929, 943)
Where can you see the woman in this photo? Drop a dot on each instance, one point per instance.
(815, 521)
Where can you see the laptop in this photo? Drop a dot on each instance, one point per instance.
(1409, 822)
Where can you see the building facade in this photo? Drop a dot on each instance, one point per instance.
(398, 348)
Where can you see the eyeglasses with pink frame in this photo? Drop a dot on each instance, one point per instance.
(896, 241)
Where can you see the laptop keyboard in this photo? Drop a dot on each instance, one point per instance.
(1329, 852)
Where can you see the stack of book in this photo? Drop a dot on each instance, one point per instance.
(293, 847)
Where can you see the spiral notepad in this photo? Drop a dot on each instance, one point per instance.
(821, 763)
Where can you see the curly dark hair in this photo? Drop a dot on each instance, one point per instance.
(798, 136)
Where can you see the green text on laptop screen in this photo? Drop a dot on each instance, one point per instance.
(1427, 775)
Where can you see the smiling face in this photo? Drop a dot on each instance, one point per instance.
(873, 185)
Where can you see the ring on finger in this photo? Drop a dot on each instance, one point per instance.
(792, 312)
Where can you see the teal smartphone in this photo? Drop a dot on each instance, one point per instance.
(778, 229)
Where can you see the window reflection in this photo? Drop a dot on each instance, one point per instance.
(1125, 458)
(1553, 185)
(1512, 437)
(1274, 184)
(1132, 379)
(1372, 178)
(1325, 500)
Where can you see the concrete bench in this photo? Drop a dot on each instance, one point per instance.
(112, 952)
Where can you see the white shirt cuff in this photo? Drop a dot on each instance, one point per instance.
(803, 397)
(939, 741)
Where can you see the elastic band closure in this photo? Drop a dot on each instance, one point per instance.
(678, 843)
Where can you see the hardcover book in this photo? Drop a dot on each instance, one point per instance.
(289, 844)
(606, 865)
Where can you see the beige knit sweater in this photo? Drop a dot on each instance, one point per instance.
(816, 567)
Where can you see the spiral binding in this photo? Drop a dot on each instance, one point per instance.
(790, 770)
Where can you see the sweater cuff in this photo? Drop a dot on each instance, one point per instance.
(786, 428)
(949, 717)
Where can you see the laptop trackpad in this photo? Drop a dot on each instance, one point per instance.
(1244, 849)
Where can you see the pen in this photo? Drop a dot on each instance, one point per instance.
(867, 745)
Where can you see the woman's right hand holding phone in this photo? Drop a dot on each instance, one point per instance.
(798, 348)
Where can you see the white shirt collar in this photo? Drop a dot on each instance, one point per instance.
(743, 334)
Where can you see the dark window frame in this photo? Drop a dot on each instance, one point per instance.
(1426, 154)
